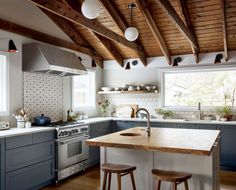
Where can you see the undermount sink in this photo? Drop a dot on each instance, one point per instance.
(130, 134)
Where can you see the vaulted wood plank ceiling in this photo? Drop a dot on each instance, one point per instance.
(166, 27)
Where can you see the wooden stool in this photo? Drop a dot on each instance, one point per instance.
(120, 170)
(174, 177)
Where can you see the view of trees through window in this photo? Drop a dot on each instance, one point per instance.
(211, 88)
(84, 90)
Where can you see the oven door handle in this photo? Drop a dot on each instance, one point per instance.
(76, 139)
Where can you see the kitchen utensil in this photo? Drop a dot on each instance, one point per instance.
(148, 88)
(42, 120)
(105, 89)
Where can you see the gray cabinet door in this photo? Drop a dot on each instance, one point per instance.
(228, 142)
(163, 125)
(187, 126)
(28, 155)
(122, 125)
(30, 177)
(207, 126)
(2, 164)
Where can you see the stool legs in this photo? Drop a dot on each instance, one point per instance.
(186, 185)
(104, 181)
(159, 185)
(119, 181)
(132, 180)
(109, 181)
(174, 186)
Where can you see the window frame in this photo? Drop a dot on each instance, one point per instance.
(93, 104)
(186, 69)
(7, 112)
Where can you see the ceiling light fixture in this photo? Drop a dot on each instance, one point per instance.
(176, 61)
(131, 33)
(127, 67)
(91, 8)
(218, 58)
(11, 46)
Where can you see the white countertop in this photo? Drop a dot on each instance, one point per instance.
(101, 119)
(23, 131)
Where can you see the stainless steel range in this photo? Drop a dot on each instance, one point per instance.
(72, 152)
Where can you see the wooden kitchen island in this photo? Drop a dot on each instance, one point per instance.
(187, 150)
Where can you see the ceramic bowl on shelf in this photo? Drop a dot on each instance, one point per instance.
(106, 89)
(117, 89)
(148, 88)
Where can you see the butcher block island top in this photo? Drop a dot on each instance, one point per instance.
(186, 141)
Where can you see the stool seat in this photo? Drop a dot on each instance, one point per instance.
(171, 176)
(117, 168)
(120, 170)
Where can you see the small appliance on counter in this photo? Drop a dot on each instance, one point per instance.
(4, 125)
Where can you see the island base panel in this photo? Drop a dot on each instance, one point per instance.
(203, 168)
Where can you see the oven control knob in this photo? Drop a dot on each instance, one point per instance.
(66, 132)
(75, 131)
(61, 134)
(84, 129)
(70, 133)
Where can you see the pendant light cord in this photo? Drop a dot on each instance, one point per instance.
(131, 12)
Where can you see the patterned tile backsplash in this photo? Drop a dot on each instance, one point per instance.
(43, 94)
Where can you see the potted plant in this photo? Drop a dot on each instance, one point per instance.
(226, 112)
(165, 113)
(103, 106)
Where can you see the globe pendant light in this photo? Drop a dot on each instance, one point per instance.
(91, 8)
(131, 33)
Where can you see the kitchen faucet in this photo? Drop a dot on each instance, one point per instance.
(148, 120)
(199, 111)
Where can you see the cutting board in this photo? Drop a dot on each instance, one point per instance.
(125, 109)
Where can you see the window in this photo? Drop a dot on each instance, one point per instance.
(212, 87)
(84, 90)
(3, 84)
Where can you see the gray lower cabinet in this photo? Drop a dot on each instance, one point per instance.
(207, 126)
(187, 126)
(122, 125)
(2, 164)
(30, 161)
(97, 130)
(163, 125)
(228, 142)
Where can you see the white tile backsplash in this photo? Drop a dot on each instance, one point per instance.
(43, 94)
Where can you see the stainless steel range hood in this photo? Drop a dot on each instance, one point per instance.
(52, 60)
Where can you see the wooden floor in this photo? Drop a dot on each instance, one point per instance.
(90, 180)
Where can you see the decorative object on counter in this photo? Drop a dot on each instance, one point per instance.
(21, 117)
(165, 114)
(126, 111)
(131, 33)
(70, 115)
(226, 112)
(27, 124)
(4, 125)
(208, 117)
(106, 89)
(103, 104)
(42, 120)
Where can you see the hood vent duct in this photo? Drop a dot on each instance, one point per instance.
(48, 59)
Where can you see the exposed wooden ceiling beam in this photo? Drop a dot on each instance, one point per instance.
(62, 9)
(68, 28)
(152, 25)
(111, 49)
(173, 15)
(107, 4)
(182, 5)
(105, 42)
(224, 30)
(33, 34)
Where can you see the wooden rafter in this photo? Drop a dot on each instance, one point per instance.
(224, 30)
(105, 42)
(107, 4)
(33, 34)
(62, 9)
(72, 32)
(173, 15)
(152, 25)
(182, 5)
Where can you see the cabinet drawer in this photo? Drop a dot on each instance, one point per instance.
(102, 126)
(25, 156)
(30, 177)
(44, 136)
(18, 141)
